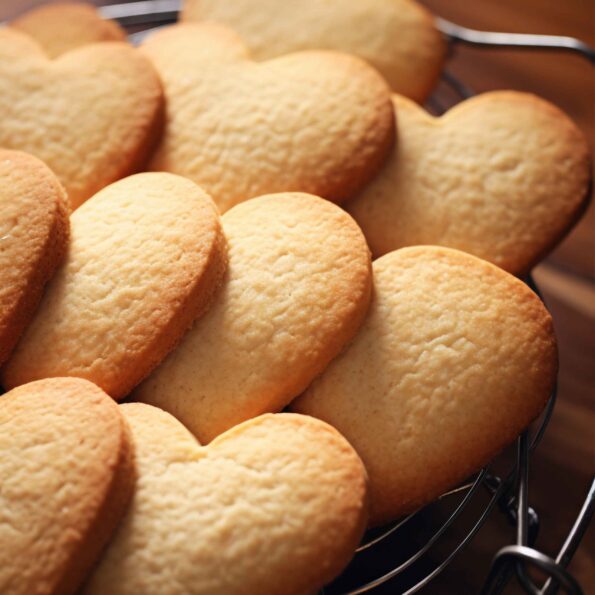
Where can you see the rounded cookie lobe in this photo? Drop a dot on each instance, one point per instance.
(63, 26)
(398, 37)
(277, 505)
(66, 463)
(296, 291)
(146, 257)
(455, 358)
(318, 121)
(92, 115)
(34, 230)
(502, 176)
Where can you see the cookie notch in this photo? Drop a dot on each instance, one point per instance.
(241, 489)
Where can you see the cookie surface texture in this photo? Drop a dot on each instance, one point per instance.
(502, 176)
(276, 505)
(397, 37)
(296, 292)
(34, 231)
(317, 122)
(66, 463)
(455, 358)
(146, 257)
(92, 115)
(64, 26)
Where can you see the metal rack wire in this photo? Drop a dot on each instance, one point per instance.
(507, 492)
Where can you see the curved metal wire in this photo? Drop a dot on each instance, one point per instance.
(546, 416)
(574, 537)
(383, 536)
(429, 543)
(522, 510)
(143, 12)
(478, 525)
(513, 554)
(391, 530)
(402, 567)
(459, 34)
(457, 86)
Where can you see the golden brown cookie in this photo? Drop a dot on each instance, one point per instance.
(66, 463)
(146, 257)
(318, 122)
(456, 357)
(502, 176)
(277, 505)
(91, 115)
(296, 291)
(397, 37)
(34, 233)
(64, 26)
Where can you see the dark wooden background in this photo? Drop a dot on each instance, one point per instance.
(562, 468)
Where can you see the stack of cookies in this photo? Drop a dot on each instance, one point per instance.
(303, 287)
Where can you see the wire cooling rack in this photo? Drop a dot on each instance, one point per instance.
(389, 559)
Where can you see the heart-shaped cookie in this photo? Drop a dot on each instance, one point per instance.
(297, 290)
(398, 37)
(64, 26)
(66, 464)
(91, 115)
(33, 239)
(318, 122)
(454, 359)
(502, 176)
(275, 506)
(146, 257)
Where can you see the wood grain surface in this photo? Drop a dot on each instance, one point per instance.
(563, 466)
